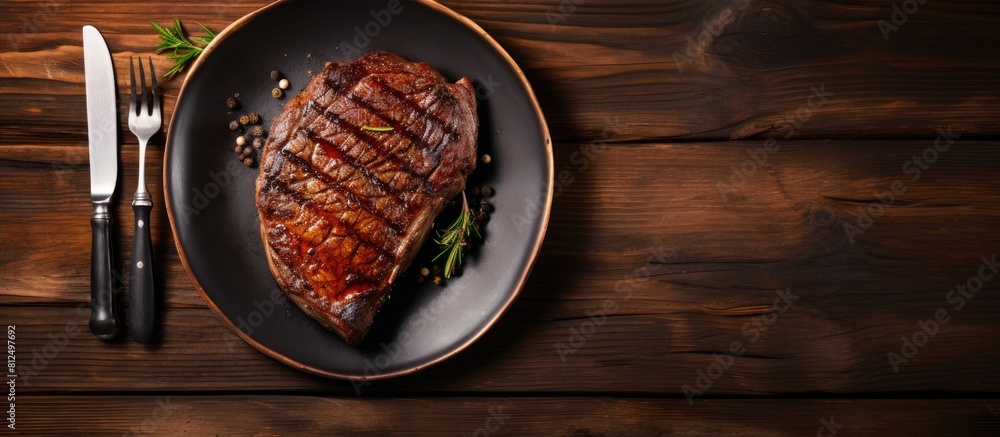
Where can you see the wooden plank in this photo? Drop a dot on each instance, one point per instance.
(45, 220)
(788, 218)
(293, 415)
(607, 58)
(715, 265)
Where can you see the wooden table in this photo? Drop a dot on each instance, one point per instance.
(753, 233)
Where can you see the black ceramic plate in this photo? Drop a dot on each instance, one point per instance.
(210, 196)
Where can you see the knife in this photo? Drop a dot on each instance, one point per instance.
(102, 125)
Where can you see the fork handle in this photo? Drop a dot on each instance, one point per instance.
(140, 300)
(103, 322)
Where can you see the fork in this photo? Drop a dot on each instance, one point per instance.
(144, 121)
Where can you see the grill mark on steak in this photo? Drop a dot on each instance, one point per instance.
(372, 141)
(425, 113)
(399, 128)
(332, 183)
(354, 164)
(344, 210)
(404, 99)
(305, 204)
(351, 275)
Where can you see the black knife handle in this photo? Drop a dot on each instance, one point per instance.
(102, 299)
(140, 298)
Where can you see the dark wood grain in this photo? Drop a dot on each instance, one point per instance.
(655, 236)
(611, 58)
(213, 415)
(714, 264)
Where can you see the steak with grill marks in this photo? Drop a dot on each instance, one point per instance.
(344, 208)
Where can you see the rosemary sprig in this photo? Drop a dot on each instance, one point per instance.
(455, 238)
(378, 128)
(184, 49)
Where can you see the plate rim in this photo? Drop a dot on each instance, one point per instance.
(550, 166)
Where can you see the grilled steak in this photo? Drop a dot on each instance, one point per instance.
(343, 207)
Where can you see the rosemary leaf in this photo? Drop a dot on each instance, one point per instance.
(454, 239)
(182, 49)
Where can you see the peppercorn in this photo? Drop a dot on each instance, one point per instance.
(258, 131)
(424, 271)
(487, 191)
(234, 125)
(475, 191)
(485, 207)
(283, 84)
(276, 93)
(240, 140)
(486, 159)
(437, 269)
(419, 279)
(231, 103)
(247, 151)
(254, 118)
(438, 280)
(238, 148)
(258, 142)
(275, 75)
(247, 161)
(244, 119)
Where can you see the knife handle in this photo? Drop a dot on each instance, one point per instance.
(140, 299)
(102, 312)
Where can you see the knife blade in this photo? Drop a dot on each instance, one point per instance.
(102, 126)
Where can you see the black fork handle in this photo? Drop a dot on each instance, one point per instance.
(140, 297)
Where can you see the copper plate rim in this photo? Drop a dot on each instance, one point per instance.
(520, 285)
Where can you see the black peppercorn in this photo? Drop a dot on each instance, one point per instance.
(487, 191)
(258, 142)
(258, 131)
(244, 119)
(276, 93)
(275, 75)
(231, 103)
(247, 161)
(254, 118)
(234, 125)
